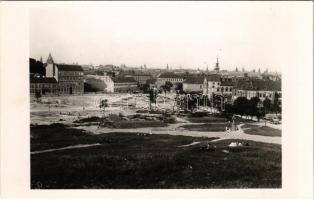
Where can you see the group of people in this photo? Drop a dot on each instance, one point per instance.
(231, 127)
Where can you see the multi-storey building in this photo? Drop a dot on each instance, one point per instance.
(250, 88)
(125, 84)
(170, 77)
(211, 84)
(43, 86)
(193, 84)
(70, 78)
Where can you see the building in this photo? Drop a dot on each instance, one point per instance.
(170, 77)
(43, 86)
(99, 83)
(211, 84)
(226, 88)
(139, 76)
(193, 84)
(125, 84)
(250, 88)
(70, 78)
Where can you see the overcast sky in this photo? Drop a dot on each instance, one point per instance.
(188, 34)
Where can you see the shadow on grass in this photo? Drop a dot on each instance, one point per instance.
(133, 161)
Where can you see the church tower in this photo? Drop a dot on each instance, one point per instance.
(217, 66)
(51, 68)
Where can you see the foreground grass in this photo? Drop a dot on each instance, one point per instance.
(206, 119)
(59, 135)
(206, 127)
(129, 160)
(264, 131)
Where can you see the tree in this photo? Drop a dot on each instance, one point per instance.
(267, 105)
(152, 97)
(179, 87)
(36, 67)
(103, 104)
(167, 87)
(252, 108)
(240, 106)
(145, 88)
(276, 106)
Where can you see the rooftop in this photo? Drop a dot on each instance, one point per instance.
(256, 84)
(194, 80)
(122, 79)
(42, 80)
(64, 67)
(170, 75)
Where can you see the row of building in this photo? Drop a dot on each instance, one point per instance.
(61, 79)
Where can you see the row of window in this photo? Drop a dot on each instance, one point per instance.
(69, 73)
(224, 89)
(253, 94)
(70, 78)
(174, 79)
(40, 85)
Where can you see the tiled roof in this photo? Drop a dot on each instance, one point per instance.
(213, 77)
(227, 83)
(122, 79)
(170, 75)
(266, 85)
(63, 67)
(194, 80)
(42, 80)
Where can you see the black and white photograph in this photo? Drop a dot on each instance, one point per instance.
(161, 95)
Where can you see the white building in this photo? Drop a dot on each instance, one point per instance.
(193, 84)
(100, 83)
(211, 84)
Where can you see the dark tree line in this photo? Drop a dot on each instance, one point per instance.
(253, 107)
(36, 67)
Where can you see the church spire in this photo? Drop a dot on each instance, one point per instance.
(217, 65)
(50, 59)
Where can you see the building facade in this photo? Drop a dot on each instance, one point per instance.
(193, 84)
(169, 77)
(69, 78)
(211, 84)
(125, 84)
(43, 86)
(262, 89)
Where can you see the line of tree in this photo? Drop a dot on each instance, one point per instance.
(36, 67)
(253, 107)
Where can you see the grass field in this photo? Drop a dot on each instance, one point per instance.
(265, 131)
(206, 127)
(249, 126)
(207, 119)
(129, 160)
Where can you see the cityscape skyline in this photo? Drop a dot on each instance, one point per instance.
(187, 34)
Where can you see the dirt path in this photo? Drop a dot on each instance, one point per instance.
(240, 134)
(174, 129)
(65, 148)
